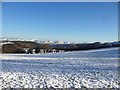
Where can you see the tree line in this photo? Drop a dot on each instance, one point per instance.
(19, 46)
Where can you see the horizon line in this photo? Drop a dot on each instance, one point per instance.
(58, 40)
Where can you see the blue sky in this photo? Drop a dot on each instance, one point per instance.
(76, 22)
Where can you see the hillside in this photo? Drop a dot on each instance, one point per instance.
(22, 46)
(18, 46)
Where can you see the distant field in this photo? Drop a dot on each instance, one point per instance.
(90, 69)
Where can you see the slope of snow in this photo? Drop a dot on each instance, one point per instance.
(90, 69)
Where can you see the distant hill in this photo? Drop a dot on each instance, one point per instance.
(11, 48)
(18, 46)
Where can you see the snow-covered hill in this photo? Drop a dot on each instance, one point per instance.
(90, 69)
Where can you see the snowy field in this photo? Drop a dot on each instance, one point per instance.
(90, 69)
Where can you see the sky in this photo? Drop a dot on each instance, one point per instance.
(75, 21)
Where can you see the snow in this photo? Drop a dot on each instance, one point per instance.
(90, 69)
(5, 43)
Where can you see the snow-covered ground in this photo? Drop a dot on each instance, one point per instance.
(90, 69)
